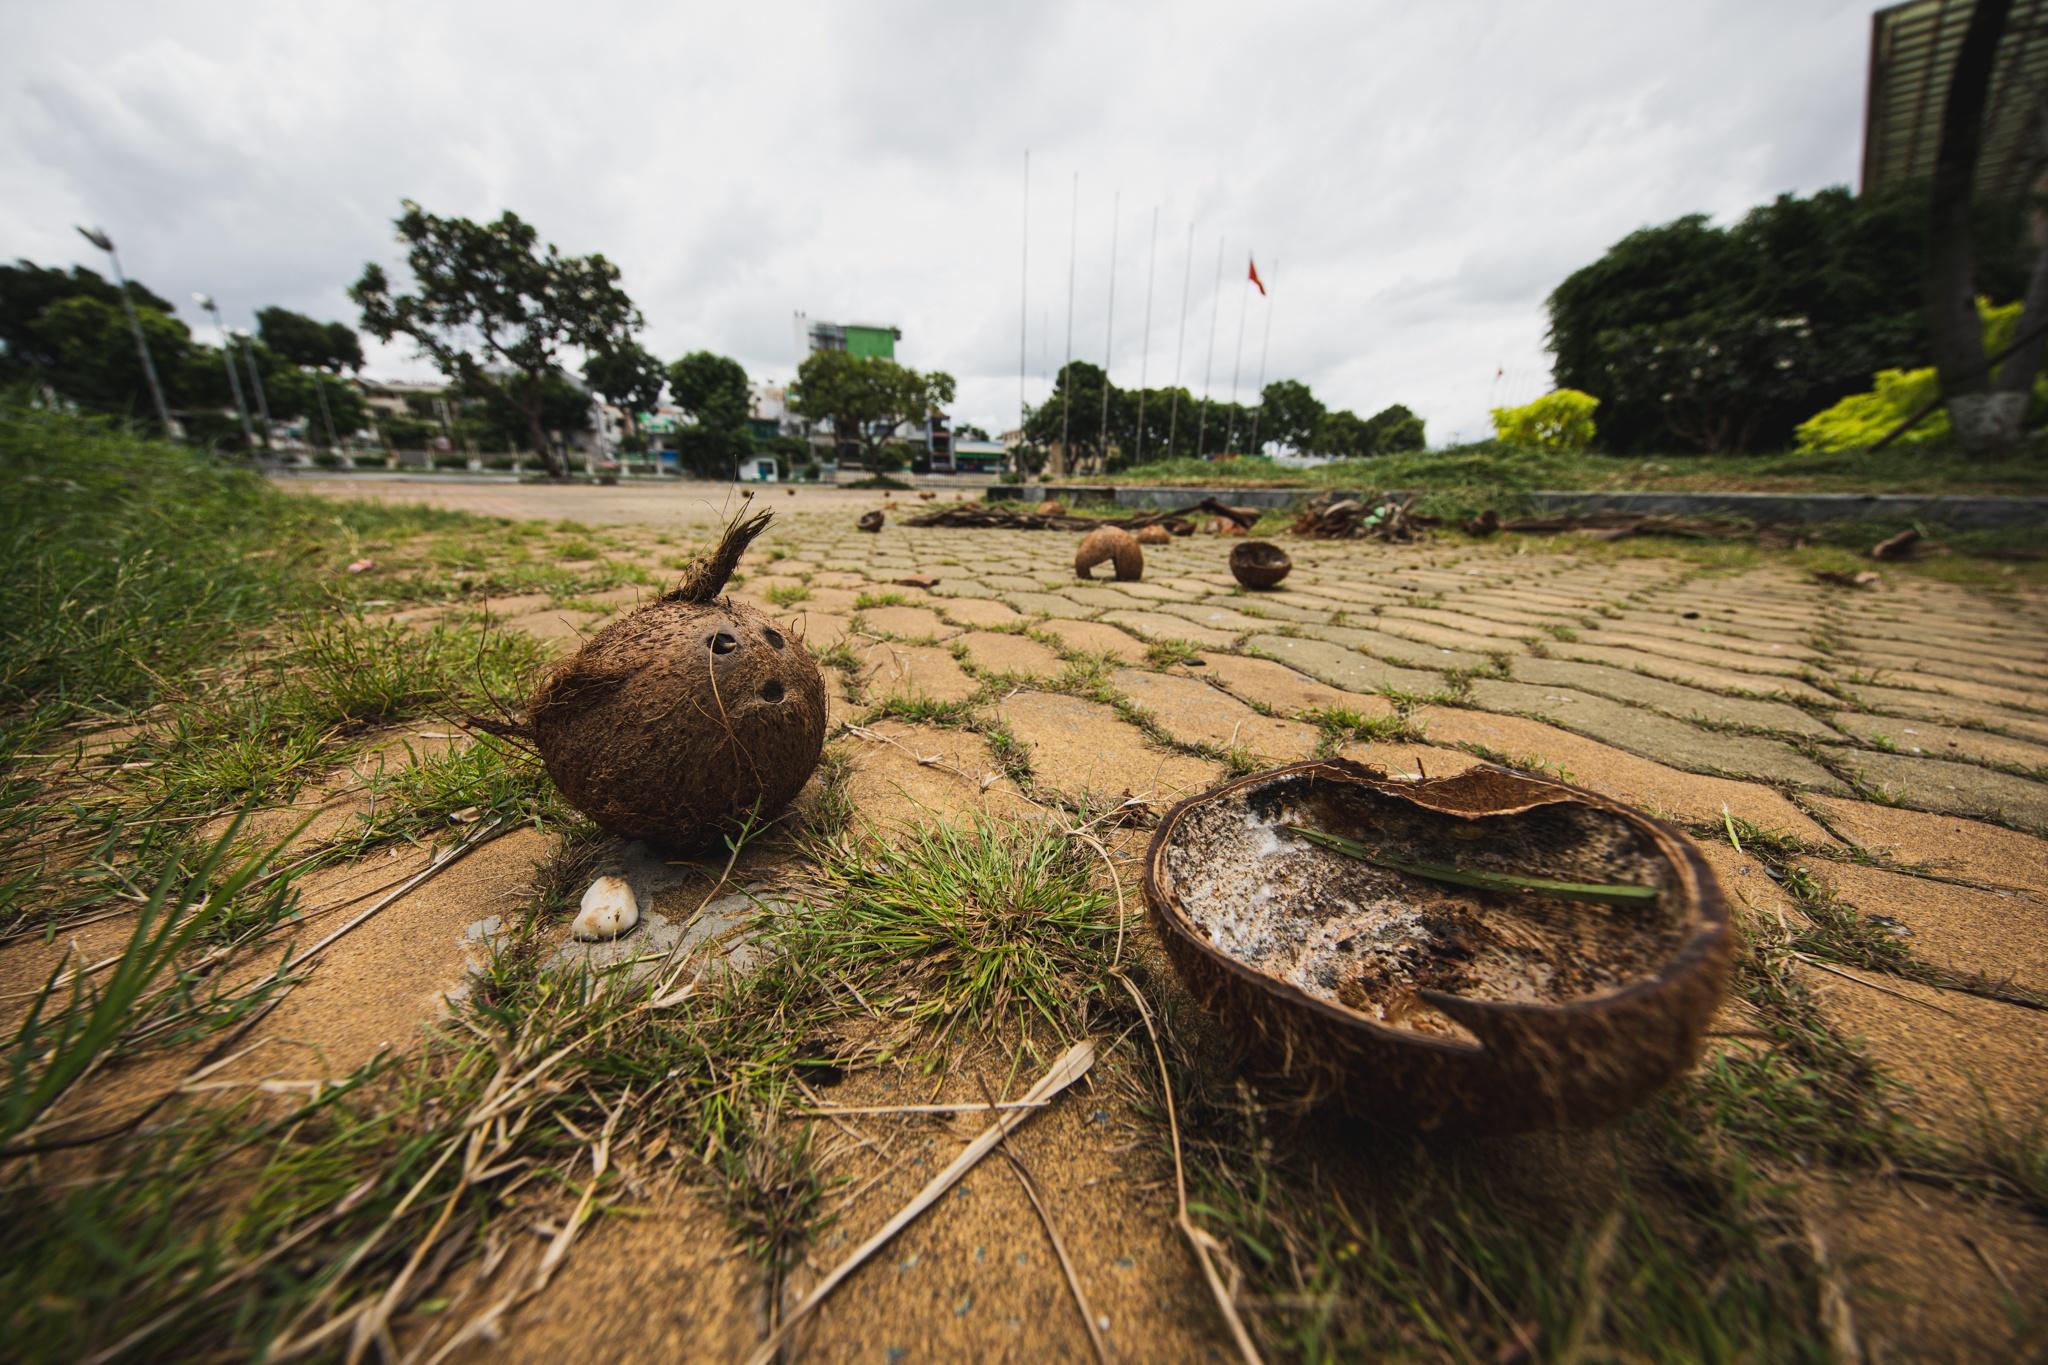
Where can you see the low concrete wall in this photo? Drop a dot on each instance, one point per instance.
(1956, 511)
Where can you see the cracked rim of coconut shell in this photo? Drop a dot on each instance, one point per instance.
(1475, 794)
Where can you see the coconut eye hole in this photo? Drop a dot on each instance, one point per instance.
(724, 642)
(772, 690)
(772, 636)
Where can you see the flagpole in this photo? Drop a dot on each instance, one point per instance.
(1116, 207)
(1173, 410)
(1145, 341)
(1265, 348)
(1066, 393)
(1209, 367)
(1237, 361)
(1024, 299)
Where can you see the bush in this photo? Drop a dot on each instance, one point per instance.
(370, 461)
(449, 459)
(501, 462)
(1560, 420)
(1861, 420)
(327, 459)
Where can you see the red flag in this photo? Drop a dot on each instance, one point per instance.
(1255, 277)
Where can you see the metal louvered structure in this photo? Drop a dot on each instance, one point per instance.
(1912, 51)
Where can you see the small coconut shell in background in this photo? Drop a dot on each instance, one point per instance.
(870, 521)
(1259, 564)
(1052, 508)
(1114, 544)
(1412, 1003)
(1154, 534)
(679, 721)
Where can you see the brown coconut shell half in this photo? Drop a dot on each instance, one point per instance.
(681, 721)
(1259, 564)
(1052, 507)
(1410, 1003)
(870, 521)
(1113, 545)
(1154, 534)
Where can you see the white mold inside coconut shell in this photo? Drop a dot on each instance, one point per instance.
(1354, 934)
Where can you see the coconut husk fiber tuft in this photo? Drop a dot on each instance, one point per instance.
(1410, 1002)
(1112, 545)
(677, 722)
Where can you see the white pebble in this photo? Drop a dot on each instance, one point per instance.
(609, 909)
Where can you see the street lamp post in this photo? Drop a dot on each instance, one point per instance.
(98, 237)
(227, 355)
(241, 334)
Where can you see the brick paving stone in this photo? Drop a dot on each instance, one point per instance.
(1400, 759)
(1018, 655)
(1083, 748)
(1345, 668)
(1695, 674)
(1104, 599)
(1785, 662)
(1955, 788)
(1010, 582)
(1945, 741)
(911, 671)
(1673, 699)
(1047, 604)
(1396, 649)
(963, 589)
(1154, 625)
(818, 630)
(518, 604)
(1938, 707)
(1951, 663)
(1195, 713)
(1216, 616)
(1093, 637)
(1966, 689)
(559, 629)
(891, 788)
(1946, 845)
(1266, 683)
(1714, 635)
(1686, 796)
(906, 623)
(1265, 609)
(980, 612)
(1961, 1055)
(1668, 741)
(1452, 619)
(1432, 636)
(2002, 934)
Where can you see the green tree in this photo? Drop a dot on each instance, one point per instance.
(1783, 312)
(1343, 435)
(866, 398)
(84, 350)
(629, 377)
(712, 389)
(1081, 384)
(1393, 429)
(1290, 414)
(489, 296)
(302, 341)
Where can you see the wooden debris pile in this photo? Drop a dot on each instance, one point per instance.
(998, 516)
(1332, 516)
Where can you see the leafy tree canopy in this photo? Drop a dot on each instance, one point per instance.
(489, 297)
(1714, 338)
(299, 340)
(866, 398)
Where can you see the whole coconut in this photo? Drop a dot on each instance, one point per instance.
(1110, 543)
(677, 722)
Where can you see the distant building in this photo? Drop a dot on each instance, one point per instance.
(1912, 52)
(977, 457)
(868, 340)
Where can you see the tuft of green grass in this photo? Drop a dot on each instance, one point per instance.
(879, 599)
(787, 594)
(983, 925)
(1167, 653)
(1341, 725)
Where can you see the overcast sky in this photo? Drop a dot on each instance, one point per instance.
(1413, 178)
